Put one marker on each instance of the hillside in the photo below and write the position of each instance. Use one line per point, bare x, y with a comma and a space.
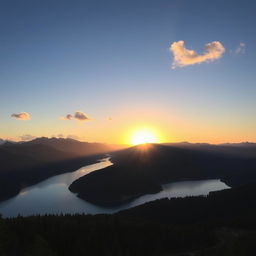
143, 169
31, 162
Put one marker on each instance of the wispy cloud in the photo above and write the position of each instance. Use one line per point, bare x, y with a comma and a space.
72, 136
67, 117
184, 57
79, 115
21, 116
27, 137
240, 49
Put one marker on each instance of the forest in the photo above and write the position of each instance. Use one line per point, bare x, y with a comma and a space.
222, 223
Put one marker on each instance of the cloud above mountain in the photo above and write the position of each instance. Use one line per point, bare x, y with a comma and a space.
27, 137
72, 136
79, 115
184, 57
21, 116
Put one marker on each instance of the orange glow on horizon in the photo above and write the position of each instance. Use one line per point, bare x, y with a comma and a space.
143, 136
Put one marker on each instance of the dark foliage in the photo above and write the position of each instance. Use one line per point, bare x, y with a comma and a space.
224, 223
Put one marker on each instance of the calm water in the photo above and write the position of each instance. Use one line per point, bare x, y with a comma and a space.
53, 196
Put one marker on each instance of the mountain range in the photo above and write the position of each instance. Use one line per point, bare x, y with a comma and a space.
27, 163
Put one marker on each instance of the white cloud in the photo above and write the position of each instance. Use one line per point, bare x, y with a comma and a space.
21, 116
184, 57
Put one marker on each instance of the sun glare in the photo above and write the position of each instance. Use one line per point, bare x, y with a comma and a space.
142, 136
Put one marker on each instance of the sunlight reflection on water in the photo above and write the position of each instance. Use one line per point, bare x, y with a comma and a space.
52, 196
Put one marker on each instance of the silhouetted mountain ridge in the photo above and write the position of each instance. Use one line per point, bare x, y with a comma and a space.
74, 146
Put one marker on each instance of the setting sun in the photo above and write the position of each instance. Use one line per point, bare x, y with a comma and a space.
142, 136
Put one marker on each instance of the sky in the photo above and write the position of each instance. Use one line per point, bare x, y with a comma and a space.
99, 70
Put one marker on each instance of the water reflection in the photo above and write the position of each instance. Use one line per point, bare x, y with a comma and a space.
183, 189
52, 195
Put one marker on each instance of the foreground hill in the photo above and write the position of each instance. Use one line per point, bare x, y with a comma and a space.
221, 224
143, 169
31, 162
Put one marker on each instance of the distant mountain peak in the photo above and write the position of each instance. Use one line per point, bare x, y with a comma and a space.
240, 144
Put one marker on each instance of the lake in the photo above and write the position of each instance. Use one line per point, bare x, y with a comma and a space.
52, 196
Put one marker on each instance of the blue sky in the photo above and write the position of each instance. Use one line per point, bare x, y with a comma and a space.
112, 59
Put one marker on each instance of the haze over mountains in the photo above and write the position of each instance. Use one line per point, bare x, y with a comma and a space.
74, 146
246, 149
26, 163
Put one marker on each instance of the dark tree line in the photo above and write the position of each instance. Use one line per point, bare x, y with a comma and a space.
224, 223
